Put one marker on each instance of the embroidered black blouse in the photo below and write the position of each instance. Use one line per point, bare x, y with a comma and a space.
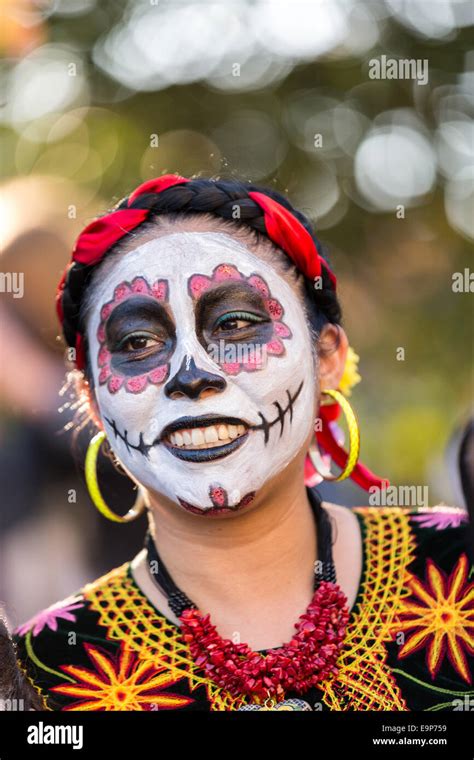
409, 643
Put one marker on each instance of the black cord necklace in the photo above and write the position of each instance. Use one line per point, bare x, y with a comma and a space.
324, 569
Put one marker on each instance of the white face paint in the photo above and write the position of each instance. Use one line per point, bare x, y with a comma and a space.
254, 372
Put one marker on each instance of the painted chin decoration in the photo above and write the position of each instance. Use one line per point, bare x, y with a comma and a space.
203, 369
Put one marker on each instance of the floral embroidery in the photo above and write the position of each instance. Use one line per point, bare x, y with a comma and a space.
199, 283
122, 683
159, 291
61, 610
440, 614
444, 517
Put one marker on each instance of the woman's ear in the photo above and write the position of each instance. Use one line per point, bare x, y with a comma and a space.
332, 349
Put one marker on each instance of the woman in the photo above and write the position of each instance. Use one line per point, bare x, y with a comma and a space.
205, 324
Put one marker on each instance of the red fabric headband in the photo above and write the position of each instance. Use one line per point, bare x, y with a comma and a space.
281, 226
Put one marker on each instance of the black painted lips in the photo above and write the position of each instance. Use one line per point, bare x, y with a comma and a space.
203, 455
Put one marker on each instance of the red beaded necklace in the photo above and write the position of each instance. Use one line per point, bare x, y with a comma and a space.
309, 658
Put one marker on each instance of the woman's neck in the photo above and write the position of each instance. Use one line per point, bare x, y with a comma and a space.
252, 572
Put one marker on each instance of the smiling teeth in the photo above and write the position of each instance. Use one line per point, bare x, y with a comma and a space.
205, 437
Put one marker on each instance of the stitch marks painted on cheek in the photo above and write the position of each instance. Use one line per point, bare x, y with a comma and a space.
110, 376
249, 361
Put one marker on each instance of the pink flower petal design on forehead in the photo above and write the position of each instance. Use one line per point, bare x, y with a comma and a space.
106, 310
121, 291
107, 375
198, 284
159, 290
259, 284
140, 285
226, 272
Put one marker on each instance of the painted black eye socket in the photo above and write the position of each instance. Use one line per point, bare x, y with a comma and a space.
140, 335
140, 342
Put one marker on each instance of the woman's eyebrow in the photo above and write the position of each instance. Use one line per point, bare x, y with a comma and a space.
138, 309
234, 289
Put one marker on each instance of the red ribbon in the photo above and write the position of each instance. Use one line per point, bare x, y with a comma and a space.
101, 234
361, 475
95, 240
289, 234
157, 185
281, 226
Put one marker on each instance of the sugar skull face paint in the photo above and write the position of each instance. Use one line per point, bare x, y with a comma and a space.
184, 420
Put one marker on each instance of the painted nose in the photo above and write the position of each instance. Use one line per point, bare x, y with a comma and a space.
193, 382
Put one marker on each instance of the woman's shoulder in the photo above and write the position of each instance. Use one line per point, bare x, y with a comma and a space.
431, 520
440, 532
426, 523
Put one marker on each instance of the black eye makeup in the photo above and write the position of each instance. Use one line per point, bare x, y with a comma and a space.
139, 335
232, 311
235, 320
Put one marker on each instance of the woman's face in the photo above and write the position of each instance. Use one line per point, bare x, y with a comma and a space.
203, 369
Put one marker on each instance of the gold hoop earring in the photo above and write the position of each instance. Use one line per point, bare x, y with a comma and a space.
94, 490
354, 440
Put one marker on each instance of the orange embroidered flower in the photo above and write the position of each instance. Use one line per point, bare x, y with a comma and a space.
122, 683
440, 613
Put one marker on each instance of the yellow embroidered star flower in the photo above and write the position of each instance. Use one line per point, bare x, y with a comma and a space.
350, 376
440, 613
126, 683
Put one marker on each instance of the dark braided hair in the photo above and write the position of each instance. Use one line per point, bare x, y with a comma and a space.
229, 201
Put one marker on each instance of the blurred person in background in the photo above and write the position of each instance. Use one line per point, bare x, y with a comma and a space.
42, 522
162, 299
